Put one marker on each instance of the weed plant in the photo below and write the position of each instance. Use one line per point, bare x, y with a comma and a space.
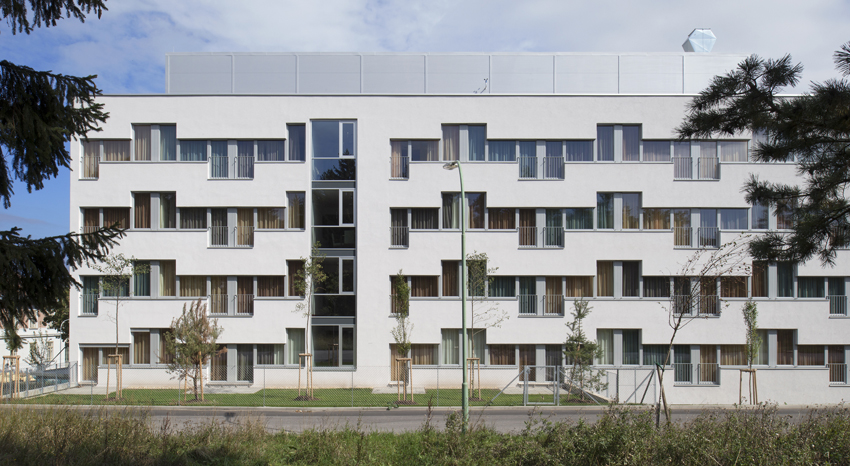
621, 436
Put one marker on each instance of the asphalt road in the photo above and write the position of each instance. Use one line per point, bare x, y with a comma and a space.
379, 419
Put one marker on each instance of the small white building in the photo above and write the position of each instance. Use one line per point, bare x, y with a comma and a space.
576, 188
47, 341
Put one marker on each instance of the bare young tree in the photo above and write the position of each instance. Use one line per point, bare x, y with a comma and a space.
484, 313
306, 280
750, 313
404, 327
695, 295
41, 351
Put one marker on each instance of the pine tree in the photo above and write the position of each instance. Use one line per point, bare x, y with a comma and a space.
40, 112
191, 343
579, 353
813, 128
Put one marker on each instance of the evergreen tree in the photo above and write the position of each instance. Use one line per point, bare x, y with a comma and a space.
579, 353
40, 112
191, 343
813, 128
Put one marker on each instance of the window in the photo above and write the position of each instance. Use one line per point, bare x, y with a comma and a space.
451, 142
604, 210
295, 204
293, 268
656, 287
116, 151
297, 140
423, 287
501, 219
142, 210
333, 346
142, 278
118, 216
334, 149
682, 227
785, 216
733, 287
732, 151
193, 286
554, 231
631, 211
760, 217
193, 218
333, 208
477, 207
527, 227
501, 151
605, 144
656, 151
424, 219
631, 347
168, 210
167, 142
631, 143
193, 151
785, 279
759, 279
141, 348
733, 219
115, 286
244, 227
631, 278
167, 278
270, 355
784, 347
294, 344
578, 287
451, 210
578, 218
163, 356
424, 151
655, 354
272, 150
656, 219
604, 278
502, 355
502, 287
810, 355
270, 218
605, 340
451, 278
477, 136
450, 346
733, 355
810, 287
142, 142
579, 151
423, 355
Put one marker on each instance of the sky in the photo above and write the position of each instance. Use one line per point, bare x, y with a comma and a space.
126, 47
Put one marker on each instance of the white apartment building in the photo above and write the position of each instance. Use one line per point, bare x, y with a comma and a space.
576, 188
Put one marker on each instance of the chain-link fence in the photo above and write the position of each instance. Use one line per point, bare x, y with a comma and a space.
35, 381
290, 386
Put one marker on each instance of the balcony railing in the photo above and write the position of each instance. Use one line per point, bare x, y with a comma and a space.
399, 168
682, 237
553, 168
838, 305
88, 304
706, 373
683, 373
527, 304
709, 373
527, 237
709, 168
709, 237
696, 306
244, 167
553, 237
682, 168
91, 167
244, 236
244, 304
218, 237
528, 168
536, 168
218, 304
837, 373
399, 237
553, 304
218, 167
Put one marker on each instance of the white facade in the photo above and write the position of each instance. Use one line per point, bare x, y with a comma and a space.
551, 235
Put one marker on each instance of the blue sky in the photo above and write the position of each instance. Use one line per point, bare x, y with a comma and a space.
126, 48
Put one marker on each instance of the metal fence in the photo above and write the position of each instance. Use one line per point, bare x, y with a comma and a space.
37, 381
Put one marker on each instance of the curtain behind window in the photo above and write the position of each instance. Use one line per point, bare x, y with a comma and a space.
423, 287
168, 210
451, 210
733, 219
451, 279
631, 347
760, 214
759, 279
424, 151
501, 151
733, 287
193, 151
168, 142
605, 340
270, 286
193, 218
271, 151
579, 151
451, 346
142, 279
296, 142
502, 355
605, 143
656, 219
398, 152
656, 151
477, 207
294, 344
424, 219
579, 287
296, 209
477, 136
167, 278
631, 211
193, 286
656, 287
142, 210
501, 219
579, 219
631, 143
732, 151
604, 210
785, 279
810, 287
142, 142
116, 151
631, 278
810, 355
655, 354
451, 142
141, 348
423, 355
785, 347
605, 278
117, 215
502, 287
733, 355
270, 218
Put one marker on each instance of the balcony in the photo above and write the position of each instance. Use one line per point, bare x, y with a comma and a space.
708, 168
705, 374
218, 167
553, 237
527, 304
244, 236
244, 165
217, 304
91, 167
682, 237
88, 304
709, 237
219, 237
399, 237
399, 168
527, 237
547, 305
240, 167
838, 305
696, 306
244, 304
545, 168
837, 373
682, 168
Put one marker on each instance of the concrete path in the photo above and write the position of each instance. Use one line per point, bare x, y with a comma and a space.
502, 419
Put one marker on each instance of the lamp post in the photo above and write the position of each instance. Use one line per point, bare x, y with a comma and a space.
464, 337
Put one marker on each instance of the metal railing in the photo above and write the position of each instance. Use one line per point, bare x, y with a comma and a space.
682, 237
89, 229
218, 237
244, 165
683, 373
527, 168
553, 168
837, 373
88, 304
244, 304
709, 168
244, 236
709, 373
399, 237
399, 168
694, 306
682, 168
218, 167
709, 237
527, 304
553, 304
217, 304
91, 167
553, 237
527, 237
837, 305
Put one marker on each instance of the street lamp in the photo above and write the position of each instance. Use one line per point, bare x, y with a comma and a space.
464, 338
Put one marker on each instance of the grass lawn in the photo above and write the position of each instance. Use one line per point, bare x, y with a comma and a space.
339, 397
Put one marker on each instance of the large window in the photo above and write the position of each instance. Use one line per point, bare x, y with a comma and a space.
193, 218
168, 210
334, 150
733, 219
295, 204
605, 143
193, 151
605, 278
333, 217
604, 210
451, 142
785, 279
656, 287
477, 138
297, 151
656, 151
810, 287
578, 219
270, 354
631, 211
501, 151
759, 279
503, 287
579, 151
333, 346
631, 278
424, 287
656, 219
424, 219
760, 217
501, 219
